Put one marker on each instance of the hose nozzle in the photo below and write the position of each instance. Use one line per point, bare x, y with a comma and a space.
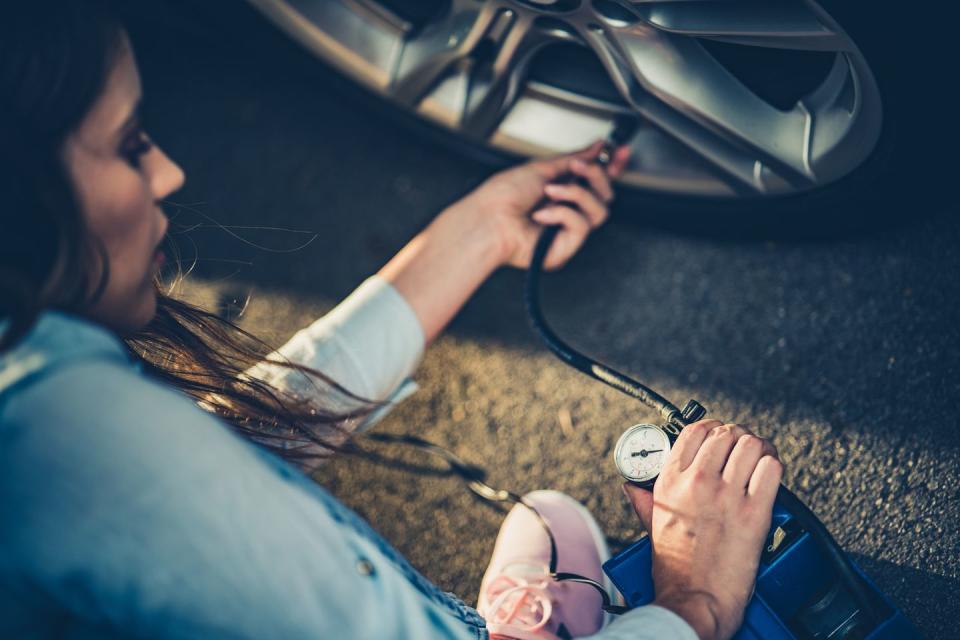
624, 128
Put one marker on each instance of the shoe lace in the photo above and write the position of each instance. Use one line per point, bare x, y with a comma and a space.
520, 599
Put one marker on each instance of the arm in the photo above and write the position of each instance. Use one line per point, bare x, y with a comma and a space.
493, 226
372, 342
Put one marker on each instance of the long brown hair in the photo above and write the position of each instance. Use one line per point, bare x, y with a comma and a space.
55, 56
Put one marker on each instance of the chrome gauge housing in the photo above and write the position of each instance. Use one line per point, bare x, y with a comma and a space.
641, 453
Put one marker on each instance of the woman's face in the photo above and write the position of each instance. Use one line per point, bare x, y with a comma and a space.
120, 176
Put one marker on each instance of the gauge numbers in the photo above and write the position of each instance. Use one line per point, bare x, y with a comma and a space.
641, 452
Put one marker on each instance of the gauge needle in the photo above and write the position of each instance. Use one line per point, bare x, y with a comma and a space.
644, 453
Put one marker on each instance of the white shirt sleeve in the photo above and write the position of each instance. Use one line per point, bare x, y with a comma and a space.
369, 344
647, 623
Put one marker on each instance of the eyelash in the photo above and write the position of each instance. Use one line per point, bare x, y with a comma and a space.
138, 145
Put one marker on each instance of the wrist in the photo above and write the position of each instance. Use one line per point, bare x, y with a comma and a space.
442, 266
476, 232
698, 609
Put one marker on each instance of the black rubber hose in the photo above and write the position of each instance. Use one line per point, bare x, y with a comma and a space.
603, 373
808, 520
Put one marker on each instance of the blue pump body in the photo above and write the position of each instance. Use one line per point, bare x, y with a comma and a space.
788, 581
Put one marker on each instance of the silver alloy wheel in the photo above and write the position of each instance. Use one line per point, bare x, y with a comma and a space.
703, 131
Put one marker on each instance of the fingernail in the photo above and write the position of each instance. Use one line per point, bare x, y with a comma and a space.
553, 188
579, 164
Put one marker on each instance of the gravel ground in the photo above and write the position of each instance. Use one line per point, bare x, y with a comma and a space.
843, 352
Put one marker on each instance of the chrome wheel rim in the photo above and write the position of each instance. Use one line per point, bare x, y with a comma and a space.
703, 132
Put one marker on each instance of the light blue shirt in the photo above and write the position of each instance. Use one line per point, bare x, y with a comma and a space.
128, 511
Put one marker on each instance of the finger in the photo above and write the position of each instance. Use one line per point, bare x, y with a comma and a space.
642, 501
595, 176
553, 167
586, 200
771, 449
688, 442
571, 237
619, 161
765, 481
717, 446
744, 458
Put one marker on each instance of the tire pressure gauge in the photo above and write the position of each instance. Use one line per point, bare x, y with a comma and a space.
642, 452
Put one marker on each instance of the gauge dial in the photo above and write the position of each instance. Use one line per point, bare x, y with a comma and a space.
641, 452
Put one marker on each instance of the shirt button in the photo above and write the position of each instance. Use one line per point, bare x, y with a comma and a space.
365, 567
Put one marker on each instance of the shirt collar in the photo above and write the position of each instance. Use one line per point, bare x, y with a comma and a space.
56, 337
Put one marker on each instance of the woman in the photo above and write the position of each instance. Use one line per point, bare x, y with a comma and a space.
129, 505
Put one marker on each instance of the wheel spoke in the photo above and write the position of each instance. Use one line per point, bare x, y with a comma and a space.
492, 43
495, 85
428, 57
675, 83
376, 12
752, 23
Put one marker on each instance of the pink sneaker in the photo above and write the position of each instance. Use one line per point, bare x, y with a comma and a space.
518, 598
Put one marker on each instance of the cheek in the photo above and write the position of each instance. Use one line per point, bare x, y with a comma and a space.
121, 215
128, 231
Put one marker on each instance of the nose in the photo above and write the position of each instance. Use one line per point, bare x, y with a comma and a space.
166, 176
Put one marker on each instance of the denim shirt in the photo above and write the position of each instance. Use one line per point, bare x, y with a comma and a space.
127, 511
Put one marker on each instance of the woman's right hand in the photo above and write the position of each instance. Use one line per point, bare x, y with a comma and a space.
708, 517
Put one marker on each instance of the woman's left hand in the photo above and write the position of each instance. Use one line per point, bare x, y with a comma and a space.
506, 205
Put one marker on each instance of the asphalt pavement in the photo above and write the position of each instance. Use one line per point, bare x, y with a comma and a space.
843, 352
